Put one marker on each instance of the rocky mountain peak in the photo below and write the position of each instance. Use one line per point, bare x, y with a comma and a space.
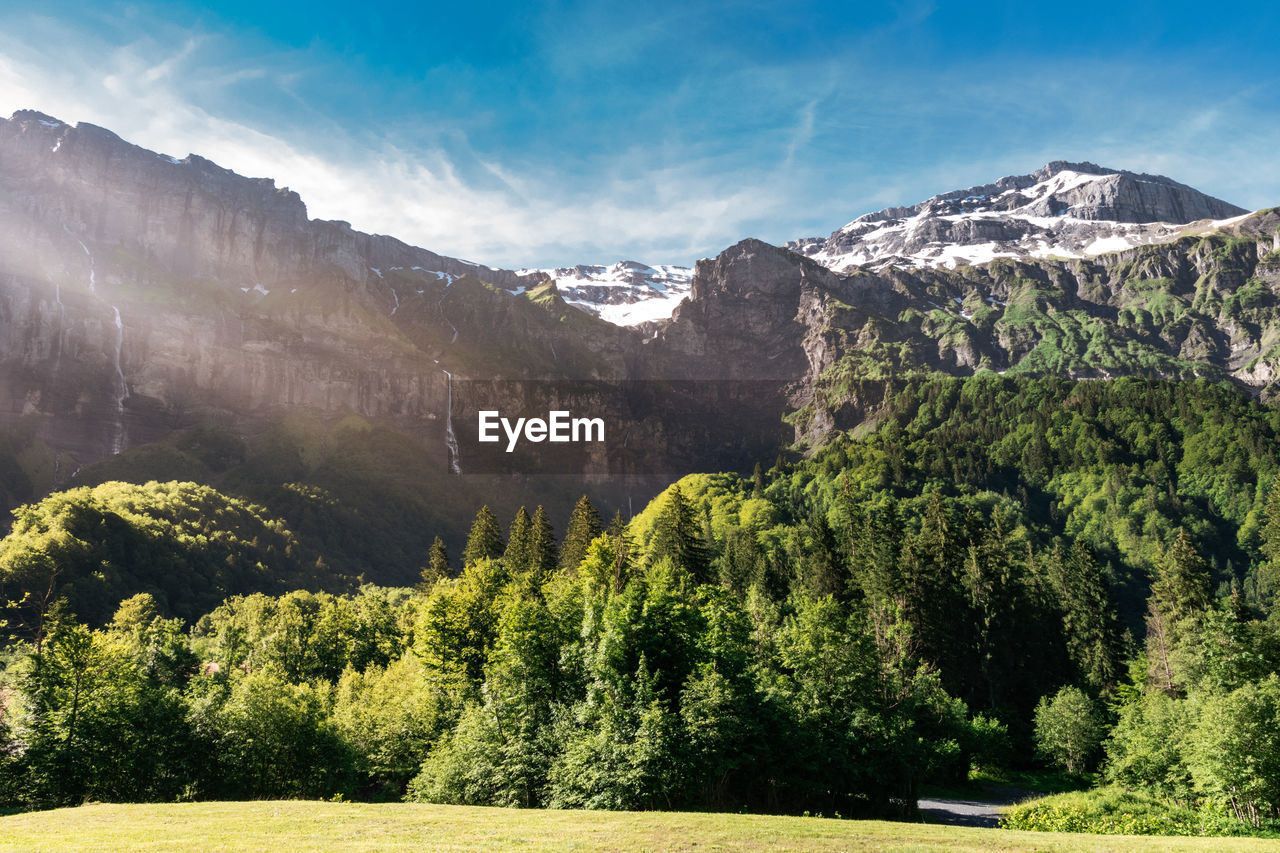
1063, 209
23, 117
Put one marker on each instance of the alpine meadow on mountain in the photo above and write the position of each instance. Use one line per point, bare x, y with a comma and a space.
968, 513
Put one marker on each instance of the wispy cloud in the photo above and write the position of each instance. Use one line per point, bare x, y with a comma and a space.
778, 146
521, 217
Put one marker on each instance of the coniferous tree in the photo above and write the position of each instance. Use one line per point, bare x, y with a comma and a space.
584, 526
1182, 585
678, 537
741, 564
485, 540
623, 551
437, 563
709, 547
542, 545
821, 568
933, 564
1179, 596
992, 595
1088, 614
519, 543
1268, 583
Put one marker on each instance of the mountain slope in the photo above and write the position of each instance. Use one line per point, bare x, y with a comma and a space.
141, 297
1062, 210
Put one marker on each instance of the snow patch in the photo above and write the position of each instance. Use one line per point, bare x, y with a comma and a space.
626, 293
1102, 245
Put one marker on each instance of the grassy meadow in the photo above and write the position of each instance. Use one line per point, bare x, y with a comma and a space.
297, 826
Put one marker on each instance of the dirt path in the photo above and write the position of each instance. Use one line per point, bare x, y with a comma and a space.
984, 812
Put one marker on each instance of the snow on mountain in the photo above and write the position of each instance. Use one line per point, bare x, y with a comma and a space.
1063, 210
626, 293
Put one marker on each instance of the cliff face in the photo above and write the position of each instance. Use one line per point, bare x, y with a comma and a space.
140, 295
1204, 305
229, 299
191, 217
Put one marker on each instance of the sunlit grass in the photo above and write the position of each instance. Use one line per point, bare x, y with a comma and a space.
304, 826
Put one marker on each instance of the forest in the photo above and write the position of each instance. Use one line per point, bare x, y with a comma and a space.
1000, 573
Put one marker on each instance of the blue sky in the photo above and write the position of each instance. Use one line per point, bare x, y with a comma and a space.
545, 134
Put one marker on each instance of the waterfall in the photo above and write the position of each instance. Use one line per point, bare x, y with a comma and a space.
451, 440
121, 391
62, 314
396, 297
91, 271
445, 317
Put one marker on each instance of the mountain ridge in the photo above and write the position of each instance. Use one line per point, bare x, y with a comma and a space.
141, 297
1062, 209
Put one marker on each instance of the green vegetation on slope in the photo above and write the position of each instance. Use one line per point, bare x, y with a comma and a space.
940, 593
187, 545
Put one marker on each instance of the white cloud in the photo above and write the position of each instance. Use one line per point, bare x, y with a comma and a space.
520, 219
793, 148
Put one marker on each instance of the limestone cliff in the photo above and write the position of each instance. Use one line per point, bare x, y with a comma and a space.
141, 295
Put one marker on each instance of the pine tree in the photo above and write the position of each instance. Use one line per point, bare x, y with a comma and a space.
437, 563
1268, 582
708, 535
584, 526
678, 537
485, 539
757, 482
1182, 585
1236, 605
1179, 595
936, 604
740, 565
542, 545
821, 568
1088, 615
1270, 532
519, 545
623, 548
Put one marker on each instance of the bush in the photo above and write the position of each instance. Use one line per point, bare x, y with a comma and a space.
1067, 728
1116, 811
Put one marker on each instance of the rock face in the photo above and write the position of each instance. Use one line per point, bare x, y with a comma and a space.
190, 216
138, 292
1206, 304
1063, 210
140, 295
745, 319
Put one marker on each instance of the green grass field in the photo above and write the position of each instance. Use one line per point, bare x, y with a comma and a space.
292, 827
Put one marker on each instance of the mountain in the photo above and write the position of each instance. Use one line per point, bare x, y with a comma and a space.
627, 293
1064, 210
1202, 306
146, 299
168, 319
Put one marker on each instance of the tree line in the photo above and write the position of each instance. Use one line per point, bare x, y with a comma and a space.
1083, 571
